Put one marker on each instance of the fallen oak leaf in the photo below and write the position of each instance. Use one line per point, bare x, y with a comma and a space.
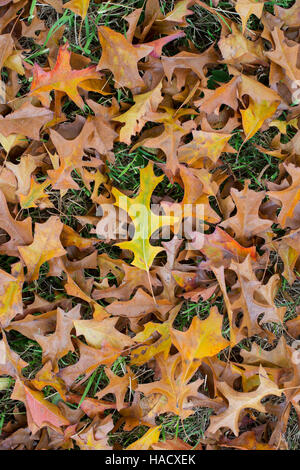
99, 334
71, 153
290, 16
246, 441
204, 144
136, 117
46, 377
158, 44
35, 194
40, 412
69, 237
202, 339
61, 78
90, 358
253, 299
175, 444
133, 278
285, 55
247, 222
23, 171
43, 323
173, 387
156, 338
6, 45
27, 120
10, 362
121, 58
20, 232
227, 94
13, 140
91, 406
145, 221
73, 289
167, 137
246, 8
58, 344
79, 7
138, 307
263, 102
220, 248
95, 437
237, 50
46, 245
177, 15
289, 197
118, 386
147, 440
238, 401
11, 303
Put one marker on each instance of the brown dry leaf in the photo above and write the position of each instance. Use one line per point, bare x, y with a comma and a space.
27, 120
90, 359
254, 299
238, 401
58, 344
10, 363
174, 444
290, 16
246, 8
45, 246
43, 323
173, 387
23, 171
121, 58
70, 153
289, 196
220, 248
246, 441
237, 50
95, 437
133, 278
102, 334
139, 306
119, 386
284, 55
20, 232
247, 223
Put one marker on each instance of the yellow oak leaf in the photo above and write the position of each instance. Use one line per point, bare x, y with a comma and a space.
145, 221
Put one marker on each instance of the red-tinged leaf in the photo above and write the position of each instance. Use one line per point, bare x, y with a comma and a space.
61, 78
220, 248
40, 411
